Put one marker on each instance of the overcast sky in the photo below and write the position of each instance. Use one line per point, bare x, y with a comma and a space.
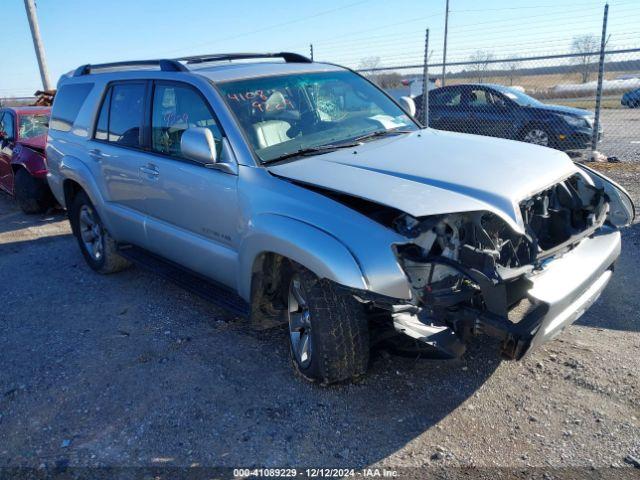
76, 32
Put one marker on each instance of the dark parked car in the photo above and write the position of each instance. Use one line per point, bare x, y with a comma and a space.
499, 111
631, 99
23, 170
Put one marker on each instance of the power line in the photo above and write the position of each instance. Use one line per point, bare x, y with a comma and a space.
271, 27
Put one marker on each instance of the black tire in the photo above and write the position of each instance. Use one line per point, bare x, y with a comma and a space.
339, 330
32, 194
109, 261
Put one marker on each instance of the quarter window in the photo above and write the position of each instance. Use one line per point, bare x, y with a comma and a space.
67, 104
175, 109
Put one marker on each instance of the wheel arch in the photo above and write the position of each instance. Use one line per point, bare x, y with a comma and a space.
30, 160
294, 240
74, 177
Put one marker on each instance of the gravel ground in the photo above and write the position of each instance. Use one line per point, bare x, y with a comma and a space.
129, 370
621, 133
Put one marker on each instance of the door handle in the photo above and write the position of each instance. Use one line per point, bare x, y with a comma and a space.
151, 171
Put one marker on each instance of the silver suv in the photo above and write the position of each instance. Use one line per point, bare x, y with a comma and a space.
299, 193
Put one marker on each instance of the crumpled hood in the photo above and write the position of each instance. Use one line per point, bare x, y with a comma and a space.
37, 143
434, 172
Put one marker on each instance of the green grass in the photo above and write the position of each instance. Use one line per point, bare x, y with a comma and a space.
586, 103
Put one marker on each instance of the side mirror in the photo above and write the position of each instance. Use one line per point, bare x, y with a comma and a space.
409, 105
198, 144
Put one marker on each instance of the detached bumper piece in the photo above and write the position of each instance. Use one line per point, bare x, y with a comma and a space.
556, 297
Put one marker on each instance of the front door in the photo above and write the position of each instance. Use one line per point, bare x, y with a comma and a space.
192, 210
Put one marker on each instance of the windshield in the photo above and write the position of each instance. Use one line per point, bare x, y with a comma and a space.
520, 98
33, 126
288, 113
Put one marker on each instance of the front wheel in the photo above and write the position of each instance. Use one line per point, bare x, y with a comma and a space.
97, 246
537, 136
328, 329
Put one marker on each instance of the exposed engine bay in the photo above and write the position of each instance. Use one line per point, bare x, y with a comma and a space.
474, 263
470, 273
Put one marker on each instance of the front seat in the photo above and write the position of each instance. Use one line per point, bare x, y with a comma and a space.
272, 132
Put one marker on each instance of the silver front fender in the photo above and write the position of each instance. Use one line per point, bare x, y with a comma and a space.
305, 244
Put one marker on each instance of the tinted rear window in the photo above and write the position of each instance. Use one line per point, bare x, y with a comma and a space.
67, 104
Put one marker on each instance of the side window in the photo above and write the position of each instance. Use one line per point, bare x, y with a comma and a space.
6, 126
478, 98
176, 108
496, 99
67, 104
126, 109
445, 98
102, 127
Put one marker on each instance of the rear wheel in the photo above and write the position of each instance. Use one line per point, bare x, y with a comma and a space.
328, 329
97, 246
32, 194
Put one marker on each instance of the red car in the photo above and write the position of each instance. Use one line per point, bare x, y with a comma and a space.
23, 169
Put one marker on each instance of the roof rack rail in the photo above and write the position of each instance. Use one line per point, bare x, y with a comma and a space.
288, 57
165, 66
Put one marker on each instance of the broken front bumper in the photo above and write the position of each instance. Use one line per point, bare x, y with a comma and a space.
557, 295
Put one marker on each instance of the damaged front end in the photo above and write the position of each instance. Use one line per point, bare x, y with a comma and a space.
471, 274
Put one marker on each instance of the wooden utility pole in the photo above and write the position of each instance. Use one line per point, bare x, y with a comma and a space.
30, 7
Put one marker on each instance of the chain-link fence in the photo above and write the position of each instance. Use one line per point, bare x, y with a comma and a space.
583, 98
548, 100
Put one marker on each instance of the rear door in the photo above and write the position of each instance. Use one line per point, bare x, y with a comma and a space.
116, 150
191, 210
7, 126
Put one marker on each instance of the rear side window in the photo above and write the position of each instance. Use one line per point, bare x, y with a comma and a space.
67, 104
121, 114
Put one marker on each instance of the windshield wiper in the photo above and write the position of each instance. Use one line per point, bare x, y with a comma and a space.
382, 133
304, 152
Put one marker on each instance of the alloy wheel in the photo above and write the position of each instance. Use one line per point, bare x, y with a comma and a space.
90, 232
537, 137
299, 323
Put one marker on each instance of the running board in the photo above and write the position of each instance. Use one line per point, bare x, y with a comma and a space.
202, 286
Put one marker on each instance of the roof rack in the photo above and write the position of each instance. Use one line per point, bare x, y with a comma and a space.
165, 66
174, 65
288, 57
